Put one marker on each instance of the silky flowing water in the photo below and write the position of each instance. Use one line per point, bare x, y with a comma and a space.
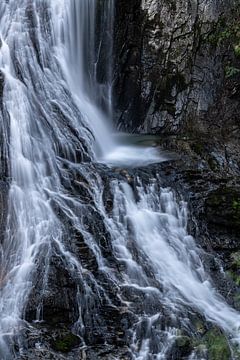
55, 116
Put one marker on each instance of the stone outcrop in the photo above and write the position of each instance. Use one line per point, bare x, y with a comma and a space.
176, 61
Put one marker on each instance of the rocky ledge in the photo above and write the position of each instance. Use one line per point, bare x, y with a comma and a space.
214, 208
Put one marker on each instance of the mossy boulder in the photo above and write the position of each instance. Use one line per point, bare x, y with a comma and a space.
217, 345
223, 207
182, 347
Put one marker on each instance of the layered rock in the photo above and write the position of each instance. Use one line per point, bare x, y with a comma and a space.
172, 58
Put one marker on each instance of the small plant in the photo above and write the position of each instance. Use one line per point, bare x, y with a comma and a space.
234, 269
65, 342
236, 204
237, 50
231, 71
217, 345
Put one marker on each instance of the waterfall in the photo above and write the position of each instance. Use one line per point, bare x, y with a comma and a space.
136, 258
46, 120
78, 50
158, 227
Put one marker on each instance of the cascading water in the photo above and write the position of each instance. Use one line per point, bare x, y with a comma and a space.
158, 227
138, 258
46, 127
78, 50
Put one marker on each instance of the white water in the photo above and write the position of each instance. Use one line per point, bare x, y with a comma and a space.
51, 98
123, 155
157, 226
39, 116
75, 38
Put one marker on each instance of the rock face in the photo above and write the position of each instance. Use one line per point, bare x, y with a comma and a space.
222, 208
172, 58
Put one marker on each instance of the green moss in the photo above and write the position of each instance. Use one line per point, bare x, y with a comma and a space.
236, 204
237, 50
184, 346
225, 31
235, 277
66, 342
217, 345
234, 271
201, 149
215, 200
235, 257
225, 205
236, 210
200, 327
236, 299
214, 343
183, 341
231, 71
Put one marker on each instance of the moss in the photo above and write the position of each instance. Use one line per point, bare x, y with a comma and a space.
236, 210
237, 50
220, 32
66, 342
235, 277
236, 205
223, 194
200, 327
217, 345
234, 268
236, 300
184, 346
228, 34
231, 71
183, 341
235, 257
225, 31
214, 343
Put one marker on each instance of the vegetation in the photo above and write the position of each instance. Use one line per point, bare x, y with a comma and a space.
217, 345
234, 271
231, 71
228, 31
66, 342
223, 206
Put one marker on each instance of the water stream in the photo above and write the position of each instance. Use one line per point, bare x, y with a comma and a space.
158, 226
55, 122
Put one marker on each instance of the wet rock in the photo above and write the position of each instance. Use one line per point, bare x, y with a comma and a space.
4, 187
183, 347
223, 208
1, 86
65, 342
55, 299
169, 70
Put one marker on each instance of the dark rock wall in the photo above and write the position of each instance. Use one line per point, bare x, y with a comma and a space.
172, 58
